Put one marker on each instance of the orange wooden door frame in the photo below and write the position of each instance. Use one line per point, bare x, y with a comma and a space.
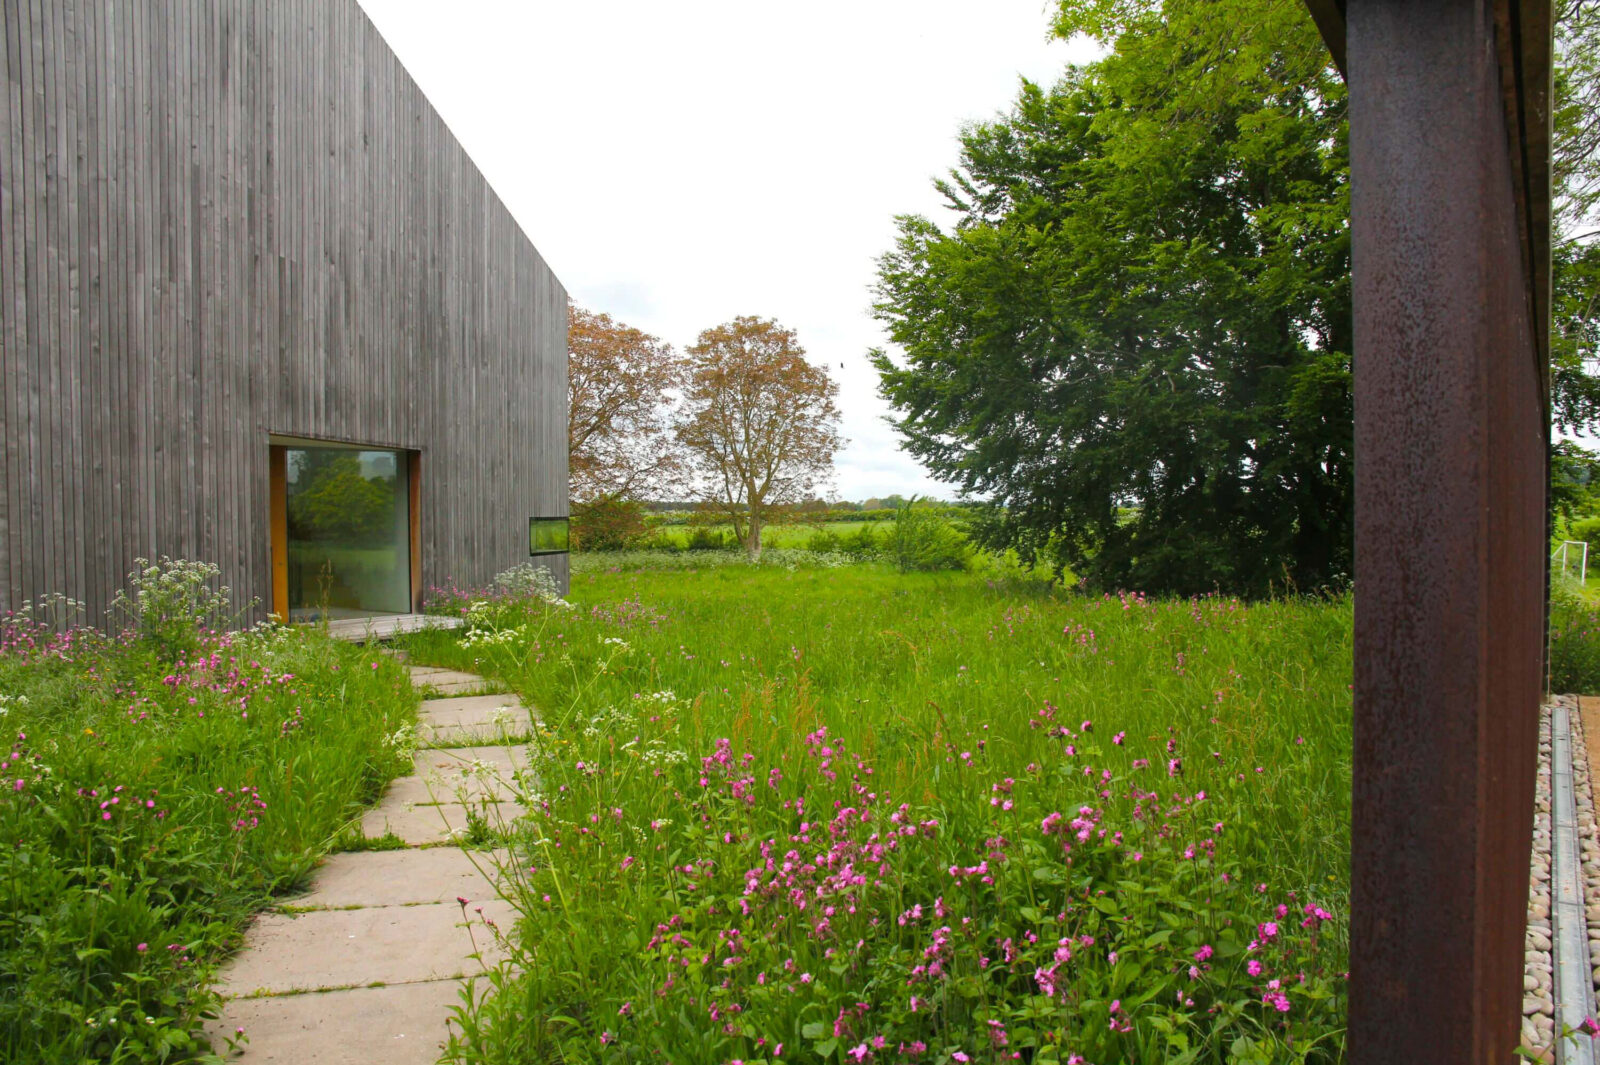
414, 500
278, 534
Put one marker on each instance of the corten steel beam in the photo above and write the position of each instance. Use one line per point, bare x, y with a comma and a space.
1450, 447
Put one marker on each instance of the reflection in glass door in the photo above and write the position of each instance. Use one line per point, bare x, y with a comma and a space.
347, 514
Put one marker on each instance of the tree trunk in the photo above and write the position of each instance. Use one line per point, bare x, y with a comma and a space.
752, 542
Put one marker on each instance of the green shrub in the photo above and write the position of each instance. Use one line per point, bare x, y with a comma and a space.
924, 539
1587, 529
824, 541
705, 538
608, 524
1574, 641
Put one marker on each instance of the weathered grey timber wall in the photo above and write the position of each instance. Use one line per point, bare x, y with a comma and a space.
224, 219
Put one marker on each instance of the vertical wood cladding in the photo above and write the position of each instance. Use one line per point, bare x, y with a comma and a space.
222, 220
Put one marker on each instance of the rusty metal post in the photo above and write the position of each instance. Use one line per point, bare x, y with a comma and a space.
1450, 444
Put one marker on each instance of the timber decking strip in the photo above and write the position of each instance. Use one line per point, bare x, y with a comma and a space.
387, 626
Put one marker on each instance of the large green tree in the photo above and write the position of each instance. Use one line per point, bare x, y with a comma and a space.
1575, 257
1135, 337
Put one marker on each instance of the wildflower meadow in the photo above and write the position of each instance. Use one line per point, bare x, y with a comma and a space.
159, 787
840, 813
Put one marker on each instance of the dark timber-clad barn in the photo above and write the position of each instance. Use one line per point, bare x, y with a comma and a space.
259, 308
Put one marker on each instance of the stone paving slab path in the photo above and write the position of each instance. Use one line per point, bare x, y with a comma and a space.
447, 681
473, 719
365, 967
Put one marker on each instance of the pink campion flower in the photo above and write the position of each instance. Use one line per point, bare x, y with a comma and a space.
805, 978
1116, 1005
859, 1052
1254, 967
142, 947
1174, 767
1590, 1027
625, 1010
1268, 929
1046, 979
606, 1038
959, 1056
1111, 958
1203, 953
1117, 739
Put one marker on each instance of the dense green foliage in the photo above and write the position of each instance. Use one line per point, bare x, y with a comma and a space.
150, 804
1144, 303
1574, 640
844, 814
609, 523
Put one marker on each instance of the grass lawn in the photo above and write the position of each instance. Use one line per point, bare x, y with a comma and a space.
155, 795
850, 815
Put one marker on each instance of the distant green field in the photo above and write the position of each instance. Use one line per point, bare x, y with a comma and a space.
795, 536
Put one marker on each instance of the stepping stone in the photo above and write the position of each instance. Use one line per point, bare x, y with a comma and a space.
458, 774
328, 949
448, 681
419, 826
399, 1024
400, 878
449, 689
473, 718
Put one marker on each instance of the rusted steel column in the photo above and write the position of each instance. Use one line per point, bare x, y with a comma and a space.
1449, 464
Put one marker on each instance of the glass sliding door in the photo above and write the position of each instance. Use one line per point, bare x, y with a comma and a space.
347, 532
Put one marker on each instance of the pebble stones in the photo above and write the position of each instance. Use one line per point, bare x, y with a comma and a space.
1538, 978
1538, 983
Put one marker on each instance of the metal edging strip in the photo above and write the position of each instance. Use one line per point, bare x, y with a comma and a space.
1574, 992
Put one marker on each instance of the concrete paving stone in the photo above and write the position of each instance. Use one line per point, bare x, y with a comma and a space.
399, 1024
422, 825
445, 677
328, 949
400, 878
459, 774
450, 689
480, 718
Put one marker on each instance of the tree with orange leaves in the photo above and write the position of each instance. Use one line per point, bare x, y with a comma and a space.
620, 385
760, 423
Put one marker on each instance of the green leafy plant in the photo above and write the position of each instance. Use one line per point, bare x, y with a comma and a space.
172, 603
924, 538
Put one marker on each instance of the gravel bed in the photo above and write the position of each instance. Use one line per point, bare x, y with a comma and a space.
1538, 976
1538, 1003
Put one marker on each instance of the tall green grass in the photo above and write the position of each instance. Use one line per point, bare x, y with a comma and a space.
150, 803
847, 814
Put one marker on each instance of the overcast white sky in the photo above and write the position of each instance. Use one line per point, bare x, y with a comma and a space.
679, 164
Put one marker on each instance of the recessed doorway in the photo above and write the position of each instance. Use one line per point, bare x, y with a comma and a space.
344, 531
